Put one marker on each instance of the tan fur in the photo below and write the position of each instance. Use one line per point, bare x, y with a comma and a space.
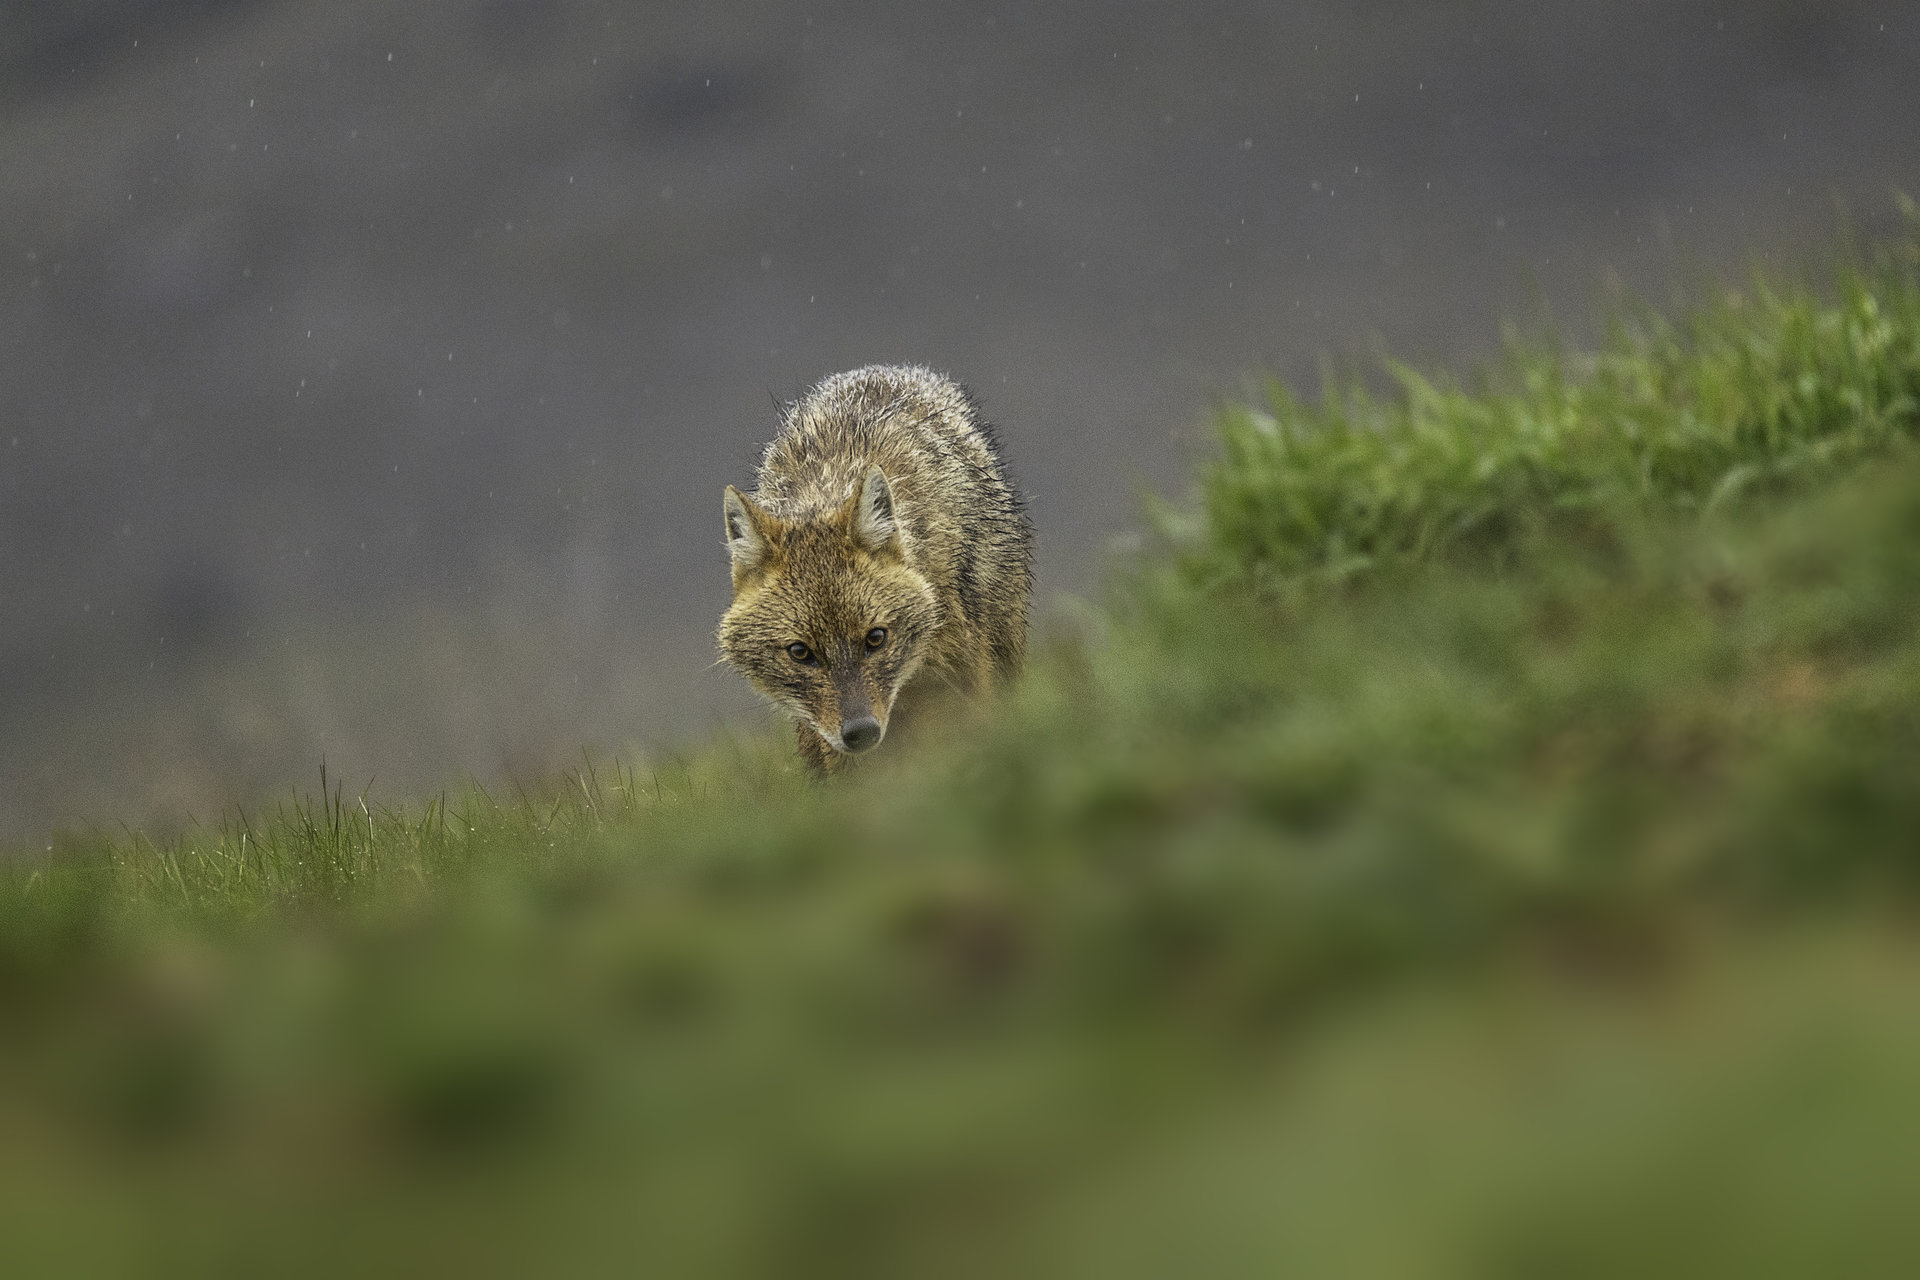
882, 502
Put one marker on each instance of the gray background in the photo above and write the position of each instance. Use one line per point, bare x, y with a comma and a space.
369, 371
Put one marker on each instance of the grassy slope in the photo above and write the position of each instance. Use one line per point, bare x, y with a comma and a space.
1492, 816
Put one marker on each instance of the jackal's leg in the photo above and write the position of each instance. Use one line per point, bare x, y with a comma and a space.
817, 755
935, 707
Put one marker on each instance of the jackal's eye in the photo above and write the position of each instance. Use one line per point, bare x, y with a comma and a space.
876, 637
799, 652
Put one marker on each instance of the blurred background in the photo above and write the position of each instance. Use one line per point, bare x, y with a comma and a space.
370, 371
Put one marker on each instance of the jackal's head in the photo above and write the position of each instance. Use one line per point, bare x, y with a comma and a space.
829, 617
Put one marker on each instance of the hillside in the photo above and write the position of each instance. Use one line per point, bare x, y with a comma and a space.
1477, 839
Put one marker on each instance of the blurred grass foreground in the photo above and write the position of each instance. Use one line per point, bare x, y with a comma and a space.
1483, 839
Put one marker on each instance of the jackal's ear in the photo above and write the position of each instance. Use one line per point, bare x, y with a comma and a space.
749, 531
871, 522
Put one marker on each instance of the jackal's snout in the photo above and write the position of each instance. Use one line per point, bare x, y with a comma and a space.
861, 734
860, 728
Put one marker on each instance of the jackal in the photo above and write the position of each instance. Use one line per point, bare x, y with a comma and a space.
883, 544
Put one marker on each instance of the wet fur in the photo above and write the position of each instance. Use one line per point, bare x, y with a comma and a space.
881, 502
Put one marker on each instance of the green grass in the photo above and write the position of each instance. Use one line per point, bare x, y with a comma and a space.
1483, 843
1762, 386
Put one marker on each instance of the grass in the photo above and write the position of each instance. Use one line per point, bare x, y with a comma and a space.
1759, 387
1482, 843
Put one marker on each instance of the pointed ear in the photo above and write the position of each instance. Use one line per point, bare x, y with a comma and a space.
871, 522
749, 534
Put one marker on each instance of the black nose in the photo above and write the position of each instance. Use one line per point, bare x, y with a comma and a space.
859, 735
